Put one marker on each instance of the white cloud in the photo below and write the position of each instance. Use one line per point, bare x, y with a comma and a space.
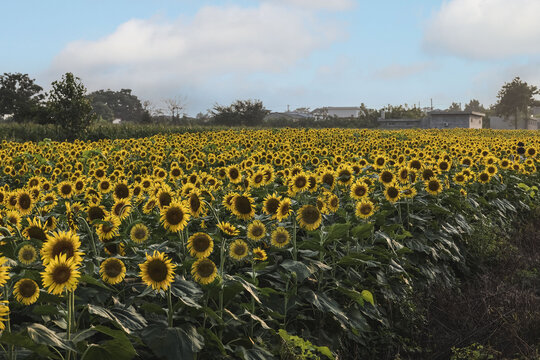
483, 29
334, 5
156, 57
401, 71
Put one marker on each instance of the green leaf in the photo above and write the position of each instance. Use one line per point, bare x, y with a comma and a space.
43, 335
24, 341
301, 270
187, 292
128, 319
368, 296
45, 310
173, 343
337, 231
90, 280
362, 231
118, 348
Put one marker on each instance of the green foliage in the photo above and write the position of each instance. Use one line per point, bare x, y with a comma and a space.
110, 105
240, 113
474, 352
404, 112
20, 97
68, 107
298, 348
515, 97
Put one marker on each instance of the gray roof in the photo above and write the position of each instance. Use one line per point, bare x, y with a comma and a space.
442, 112
399, 120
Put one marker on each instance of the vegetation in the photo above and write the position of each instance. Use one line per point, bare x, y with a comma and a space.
250, 244
515, 98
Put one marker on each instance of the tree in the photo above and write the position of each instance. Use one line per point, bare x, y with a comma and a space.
175, 106
20, 96
474, 105
454, 107
69, 107
399, 112
240, 113
123, 105
515, 98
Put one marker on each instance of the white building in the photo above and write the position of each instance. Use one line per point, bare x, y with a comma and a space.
337, 111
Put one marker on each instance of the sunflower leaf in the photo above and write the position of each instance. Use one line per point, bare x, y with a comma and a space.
24, 341
173, 343
40, 334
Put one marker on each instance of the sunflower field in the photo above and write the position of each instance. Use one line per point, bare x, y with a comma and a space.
248, 244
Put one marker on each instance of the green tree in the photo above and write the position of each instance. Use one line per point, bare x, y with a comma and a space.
110, 105
399, 112
474, 105
68, 106
240, 113
20, 96
454, 107
515, 98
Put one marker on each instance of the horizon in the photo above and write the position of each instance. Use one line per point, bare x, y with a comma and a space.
295, 53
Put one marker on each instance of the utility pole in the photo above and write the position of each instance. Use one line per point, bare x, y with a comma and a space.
431, 104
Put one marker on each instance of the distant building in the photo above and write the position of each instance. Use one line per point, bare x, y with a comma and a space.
455, 119
436, 120
288, 115
497, 122
337, 111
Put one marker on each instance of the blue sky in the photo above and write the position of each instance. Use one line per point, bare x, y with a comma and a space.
301, 53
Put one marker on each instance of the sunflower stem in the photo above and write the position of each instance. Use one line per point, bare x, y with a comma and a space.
90, 232
11, 352
221, 289
295, 250
69, 310
170, 312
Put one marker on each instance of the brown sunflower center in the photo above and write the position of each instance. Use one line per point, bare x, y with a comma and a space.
392, 192
25, 201
96, 213
484, 177
28, 254
233, 173
201, 243
27, 288
360, 190
104, 185
328, 179
157, 270
175, 172
36, 232
242, 204
427, 174
310, 214
194, 203
205, 268
443, 166
61, 274
139, 233
365, 209
113, 268
165, 199
174, 215
272, 205
282, 237
63, 246
258, 178
415, 164
300, 182
240, 249
65, 189
257, 231
434, 185
121, 191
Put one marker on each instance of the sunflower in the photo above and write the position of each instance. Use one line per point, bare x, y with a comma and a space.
26, 291
403, 175
332, 203
50, 223
256, 230
4, 271
359, 190
280, 237
228, 228
164, 198
95, 212
108, 228
25, 202
392, 193
27, 254
259, 254
433, 186
35, 230
271, 205
234, 174
121, 190
157, 271
379, 162
309, 217
150, 205
200, 245
60, 274
345, 174
408, 192
364, 208
174, 217
65, 189
61, 242
460, 178
238, 249
257, 179
299, 182
204, 271
328, 178
386, 177
484, 177
195, 205
242, 206
139, 233
104, 186
112, 271
121, 209
284, 209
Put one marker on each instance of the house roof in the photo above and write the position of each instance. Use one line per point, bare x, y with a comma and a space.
399, 120
442, 112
